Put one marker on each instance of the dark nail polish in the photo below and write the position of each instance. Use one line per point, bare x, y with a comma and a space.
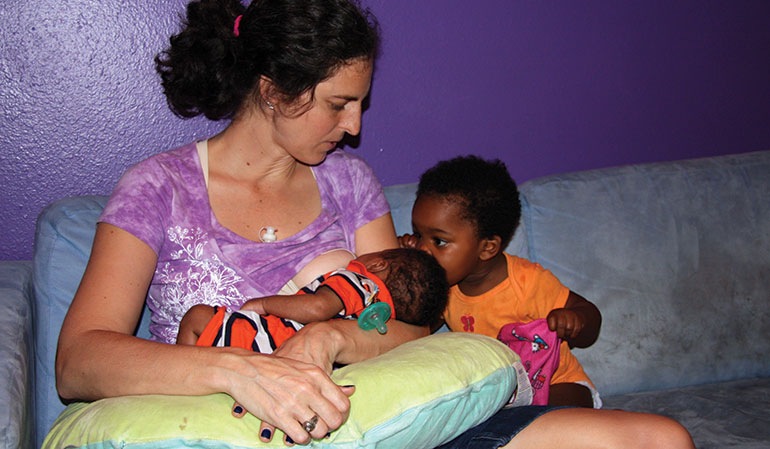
266, 434
328, 434
347, 386
289, 440
238, 410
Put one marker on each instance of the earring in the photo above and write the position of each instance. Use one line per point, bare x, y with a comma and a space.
270, 105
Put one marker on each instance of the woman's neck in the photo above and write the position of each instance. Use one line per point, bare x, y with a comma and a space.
244, 151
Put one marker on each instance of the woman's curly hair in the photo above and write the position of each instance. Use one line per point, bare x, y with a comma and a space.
296, 44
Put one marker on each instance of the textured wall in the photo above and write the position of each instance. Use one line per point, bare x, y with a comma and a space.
546, 86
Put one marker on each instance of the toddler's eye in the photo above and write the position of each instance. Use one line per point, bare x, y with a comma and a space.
439, 242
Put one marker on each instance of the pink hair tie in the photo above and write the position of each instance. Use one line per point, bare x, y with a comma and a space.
237, 24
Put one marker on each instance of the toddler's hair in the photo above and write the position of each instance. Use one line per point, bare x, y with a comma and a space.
417, 284
483, 189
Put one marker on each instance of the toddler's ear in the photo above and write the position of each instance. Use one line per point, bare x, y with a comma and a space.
490, 247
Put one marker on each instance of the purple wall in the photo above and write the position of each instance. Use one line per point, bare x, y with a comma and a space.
546, 86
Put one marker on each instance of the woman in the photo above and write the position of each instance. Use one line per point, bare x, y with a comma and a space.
187, 223
256, 209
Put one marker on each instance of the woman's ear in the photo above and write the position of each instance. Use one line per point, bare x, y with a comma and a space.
490, 247
267, 92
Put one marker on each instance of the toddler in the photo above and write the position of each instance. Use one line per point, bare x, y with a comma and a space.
411, 282
465, 214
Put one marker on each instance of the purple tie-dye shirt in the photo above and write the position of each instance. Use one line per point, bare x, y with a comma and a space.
163, 201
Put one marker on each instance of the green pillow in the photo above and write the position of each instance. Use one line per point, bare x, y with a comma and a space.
421, 394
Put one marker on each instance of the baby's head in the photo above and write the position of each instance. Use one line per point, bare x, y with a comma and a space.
460, 203
416, 282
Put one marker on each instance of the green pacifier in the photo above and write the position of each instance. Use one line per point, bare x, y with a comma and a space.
374, 317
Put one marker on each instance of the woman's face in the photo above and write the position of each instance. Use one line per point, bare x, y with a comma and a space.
335, 110
438, 225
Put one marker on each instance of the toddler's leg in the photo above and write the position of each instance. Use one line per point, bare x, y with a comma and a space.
193, 323
570, 394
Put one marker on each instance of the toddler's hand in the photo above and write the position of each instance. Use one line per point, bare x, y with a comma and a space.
566, 323
407, 241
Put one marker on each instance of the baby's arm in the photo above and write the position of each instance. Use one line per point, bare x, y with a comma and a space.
322, 305
578, 322
193, 323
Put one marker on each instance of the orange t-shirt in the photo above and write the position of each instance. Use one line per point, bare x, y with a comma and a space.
529, 292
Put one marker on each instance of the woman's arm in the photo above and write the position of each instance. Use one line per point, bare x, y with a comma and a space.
377, 235
98, 357
342, 341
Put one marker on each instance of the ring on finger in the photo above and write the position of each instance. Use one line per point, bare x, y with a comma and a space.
310, 424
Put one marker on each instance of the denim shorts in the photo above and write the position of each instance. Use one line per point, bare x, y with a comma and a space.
498, 430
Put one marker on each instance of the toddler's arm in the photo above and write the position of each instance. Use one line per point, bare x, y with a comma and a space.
322, 305
578, 323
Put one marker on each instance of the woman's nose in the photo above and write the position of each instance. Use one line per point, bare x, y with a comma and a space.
351, 121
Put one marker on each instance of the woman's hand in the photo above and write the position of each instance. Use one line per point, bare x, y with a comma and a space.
314, 352
321, 344
318, 344
286, 393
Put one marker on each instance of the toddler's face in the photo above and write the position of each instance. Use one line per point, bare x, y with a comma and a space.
440, 230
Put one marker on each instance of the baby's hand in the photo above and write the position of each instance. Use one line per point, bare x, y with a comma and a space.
566, 323
254, 305
407, 241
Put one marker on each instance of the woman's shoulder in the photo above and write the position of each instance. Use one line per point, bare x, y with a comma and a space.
180, 157
179, 165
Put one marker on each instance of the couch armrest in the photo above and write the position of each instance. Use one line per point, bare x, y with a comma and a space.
16, 355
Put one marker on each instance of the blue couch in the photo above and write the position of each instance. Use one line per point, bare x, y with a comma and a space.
675, 254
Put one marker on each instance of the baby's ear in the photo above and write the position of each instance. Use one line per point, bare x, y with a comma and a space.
490, 247
377, 264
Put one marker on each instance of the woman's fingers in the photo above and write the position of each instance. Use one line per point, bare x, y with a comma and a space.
266, 432
287, 394
238, 410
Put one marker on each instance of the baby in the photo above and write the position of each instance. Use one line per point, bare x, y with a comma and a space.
410, 281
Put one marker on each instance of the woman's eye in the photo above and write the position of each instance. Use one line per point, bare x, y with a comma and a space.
337, 107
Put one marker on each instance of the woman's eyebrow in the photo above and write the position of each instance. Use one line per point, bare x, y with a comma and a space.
345, 97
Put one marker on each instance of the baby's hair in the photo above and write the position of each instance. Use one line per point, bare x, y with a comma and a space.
210, 69
484, 190
417, 284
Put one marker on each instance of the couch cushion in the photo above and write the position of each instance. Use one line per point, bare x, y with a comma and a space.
63, 238
718, 415
677, 257
16, 360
